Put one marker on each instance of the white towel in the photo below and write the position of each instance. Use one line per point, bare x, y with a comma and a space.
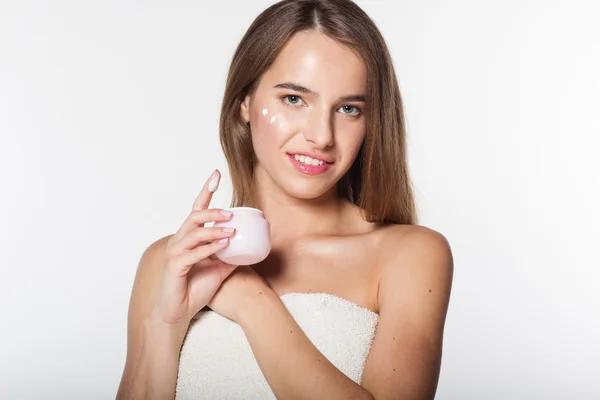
217, 362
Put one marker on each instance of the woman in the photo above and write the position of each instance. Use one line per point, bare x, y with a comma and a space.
313, 130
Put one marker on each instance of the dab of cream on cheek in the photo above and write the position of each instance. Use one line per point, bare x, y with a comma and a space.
273, 119
281, 122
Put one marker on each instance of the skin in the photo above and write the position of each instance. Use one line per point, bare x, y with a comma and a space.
404, 273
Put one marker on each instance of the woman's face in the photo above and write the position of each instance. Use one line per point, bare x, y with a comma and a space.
307, 116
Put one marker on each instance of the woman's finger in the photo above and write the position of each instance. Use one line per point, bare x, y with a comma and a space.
210, 186
202, 236
182, 263
198, 218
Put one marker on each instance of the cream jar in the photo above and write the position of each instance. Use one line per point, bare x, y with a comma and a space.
251, 242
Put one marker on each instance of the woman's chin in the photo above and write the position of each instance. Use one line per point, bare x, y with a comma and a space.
306, 190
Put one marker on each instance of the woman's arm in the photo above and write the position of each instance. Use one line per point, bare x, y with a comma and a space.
405, 357
414, 291
291, 364
175, 279
153, 348
155, 372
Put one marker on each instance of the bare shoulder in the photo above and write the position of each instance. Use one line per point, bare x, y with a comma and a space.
151, 260
414, 246
147, 277
417, 257
397, 232
143, 294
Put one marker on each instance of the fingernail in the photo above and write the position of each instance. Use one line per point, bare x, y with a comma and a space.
226, 213
223, 240
228, 230
214, 183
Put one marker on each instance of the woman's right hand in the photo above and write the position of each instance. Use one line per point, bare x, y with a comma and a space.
190, 277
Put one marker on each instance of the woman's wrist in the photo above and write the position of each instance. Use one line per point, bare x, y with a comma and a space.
156, 329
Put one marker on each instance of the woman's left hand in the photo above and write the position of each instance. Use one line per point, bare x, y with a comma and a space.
236, 293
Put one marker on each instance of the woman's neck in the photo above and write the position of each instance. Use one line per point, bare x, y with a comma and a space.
291, 218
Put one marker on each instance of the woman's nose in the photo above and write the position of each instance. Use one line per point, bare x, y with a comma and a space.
319, 130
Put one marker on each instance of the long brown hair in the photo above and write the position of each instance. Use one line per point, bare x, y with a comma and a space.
378, 181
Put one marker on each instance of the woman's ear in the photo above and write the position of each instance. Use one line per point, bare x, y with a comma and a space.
245, 110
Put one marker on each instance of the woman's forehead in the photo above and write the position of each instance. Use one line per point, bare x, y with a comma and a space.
322, 64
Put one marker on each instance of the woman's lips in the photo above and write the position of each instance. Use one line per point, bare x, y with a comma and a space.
308, 169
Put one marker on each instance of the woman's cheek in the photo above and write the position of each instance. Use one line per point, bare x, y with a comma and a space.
270, 125
352, 140
266, 133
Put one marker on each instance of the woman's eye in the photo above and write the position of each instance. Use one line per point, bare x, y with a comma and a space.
350, 110
292, 100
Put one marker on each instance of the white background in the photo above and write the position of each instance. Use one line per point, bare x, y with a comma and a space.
108, 128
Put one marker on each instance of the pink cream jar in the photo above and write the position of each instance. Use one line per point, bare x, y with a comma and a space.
251, 242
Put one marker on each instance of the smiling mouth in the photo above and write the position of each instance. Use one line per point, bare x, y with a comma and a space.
307, 160
309, 165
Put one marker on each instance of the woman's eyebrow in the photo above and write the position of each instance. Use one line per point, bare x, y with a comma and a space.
354, 97
302, 89
296, 87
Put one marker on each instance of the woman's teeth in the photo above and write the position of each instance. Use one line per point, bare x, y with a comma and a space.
308, 161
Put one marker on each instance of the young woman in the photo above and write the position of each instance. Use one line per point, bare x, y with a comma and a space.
313, 130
